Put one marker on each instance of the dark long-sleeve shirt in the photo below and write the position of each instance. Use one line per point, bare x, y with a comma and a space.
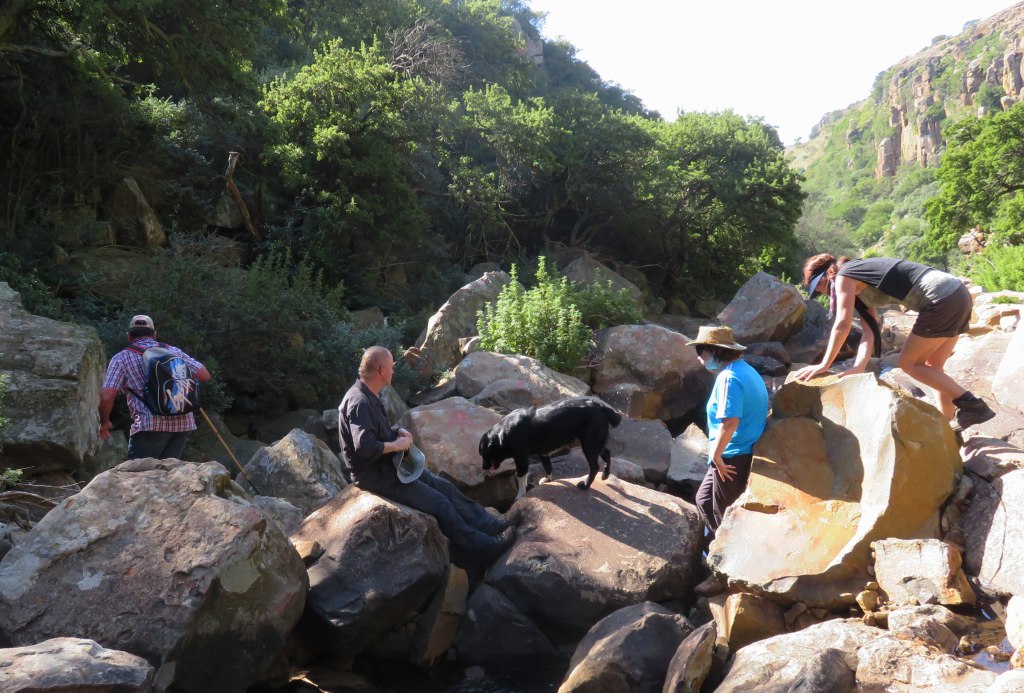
363, 429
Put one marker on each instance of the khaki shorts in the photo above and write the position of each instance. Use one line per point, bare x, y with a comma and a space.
948, 317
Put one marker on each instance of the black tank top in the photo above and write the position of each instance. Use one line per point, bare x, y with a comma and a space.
892, 277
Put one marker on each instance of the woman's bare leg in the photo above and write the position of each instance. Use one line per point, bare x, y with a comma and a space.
923, 359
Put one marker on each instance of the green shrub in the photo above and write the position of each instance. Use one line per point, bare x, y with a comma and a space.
999, 268
1009, 300
552, 321
273, 335
602, 306
543, 322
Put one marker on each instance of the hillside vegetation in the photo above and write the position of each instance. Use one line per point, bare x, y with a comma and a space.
931, 154
383, 149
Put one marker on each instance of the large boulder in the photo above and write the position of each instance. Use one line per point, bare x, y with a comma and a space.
648, 372
165, 560
765, 309
448, 433
479, 369
692, 661
822, 651
647, 443
920, 571
381, 561
689, 460
439, 349
995, 533
495, 633
896, 663
845, 462
299, 468
135, 222
72, 664
1010, 374
54, 372
627, 652
583, 554
585, 271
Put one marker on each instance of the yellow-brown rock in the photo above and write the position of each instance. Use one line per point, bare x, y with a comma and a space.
845, 461
750, 618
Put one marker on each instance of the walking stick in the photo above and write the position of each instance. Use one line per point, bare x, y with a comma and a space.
231, 454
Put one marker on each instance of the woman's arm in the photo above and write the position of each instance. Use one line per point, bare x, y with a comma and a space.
846, 292
865, 349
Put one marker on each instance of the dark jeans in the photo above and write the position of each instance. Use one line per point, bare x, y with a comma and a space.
715, 494
465, 522
159, 445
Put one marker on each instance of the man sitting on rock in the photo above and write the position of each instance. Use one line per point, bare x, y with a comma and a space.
369, 445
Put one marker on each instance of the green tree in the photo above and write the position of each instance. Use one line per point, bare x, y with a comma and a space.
541, 322
350, 131
727, 202
981, 179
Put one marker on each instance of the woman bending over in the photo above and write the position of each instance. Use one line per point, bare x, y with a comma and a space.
944, 309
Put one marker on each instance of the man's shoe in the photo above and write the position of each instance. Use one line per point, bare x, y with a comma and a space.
711, 586
500, 545
972, 413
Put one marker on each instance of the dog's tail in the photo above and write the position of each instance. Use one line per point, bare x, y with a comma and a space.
614, 417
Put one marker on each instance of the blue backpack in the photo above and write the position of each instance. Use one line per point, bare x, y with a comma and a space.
171, 387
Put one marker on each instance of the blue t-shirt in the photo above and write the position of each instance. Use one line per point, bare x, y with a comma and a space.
738, 392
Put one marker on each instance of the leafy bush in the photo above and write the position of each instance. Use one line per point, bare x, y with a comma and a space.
543, 322
273, 336
602, 306
552, 321
999, 268
1007, 300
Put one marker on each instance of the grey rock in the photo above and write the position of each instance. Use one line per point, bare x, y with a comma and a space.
72, 664
159, 558
381, 561
495, 633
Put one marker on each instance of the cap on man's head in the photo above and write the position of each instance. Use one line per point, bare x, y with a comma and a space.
141, 321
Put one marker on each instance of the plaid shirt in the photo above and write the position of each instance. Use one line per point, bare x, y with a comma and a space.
125, 373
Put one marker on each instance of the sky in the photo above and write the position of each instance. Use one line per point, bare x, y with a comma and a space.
788, 62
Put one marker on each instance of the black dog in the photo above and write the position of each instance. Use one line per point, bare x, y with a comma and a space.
539, 431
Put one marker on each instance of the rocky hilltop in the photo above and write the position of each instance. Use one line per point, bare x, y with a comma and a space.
958, 76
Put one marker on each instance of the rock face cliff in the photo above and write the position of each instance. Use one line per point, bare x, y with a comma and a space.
912, 102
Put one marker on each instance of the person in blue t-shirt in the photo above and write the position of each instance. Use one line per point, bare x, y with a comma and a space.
737, 410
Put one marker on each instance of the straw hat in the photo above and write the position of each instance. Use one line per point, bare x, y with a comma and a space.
409, 464
716, 335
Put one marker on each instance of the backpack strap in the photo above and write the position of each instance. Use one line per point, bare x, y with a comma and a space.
140, 351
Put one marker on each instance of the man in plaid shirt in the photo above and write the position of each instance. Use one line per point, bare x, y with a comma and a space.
160, 437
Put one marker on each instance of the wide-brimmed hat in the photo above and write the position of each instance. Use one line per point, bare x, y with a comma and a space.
716, 335
409, 464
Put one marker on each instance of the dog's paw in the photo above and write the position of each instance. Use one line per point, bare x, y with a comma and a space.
604, 476
582, 485
544, 480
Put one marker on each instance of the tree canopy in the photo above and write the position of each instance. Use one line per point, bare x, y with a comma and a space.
384, 148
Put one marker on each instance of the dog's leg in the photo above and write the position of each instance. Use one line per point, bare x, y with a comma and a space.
607, 455
522, 473
545, 462
522, 485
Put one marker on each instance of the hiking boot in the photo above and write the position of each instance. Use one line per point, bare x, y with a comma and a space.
500, 545
504, 523
972, 412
